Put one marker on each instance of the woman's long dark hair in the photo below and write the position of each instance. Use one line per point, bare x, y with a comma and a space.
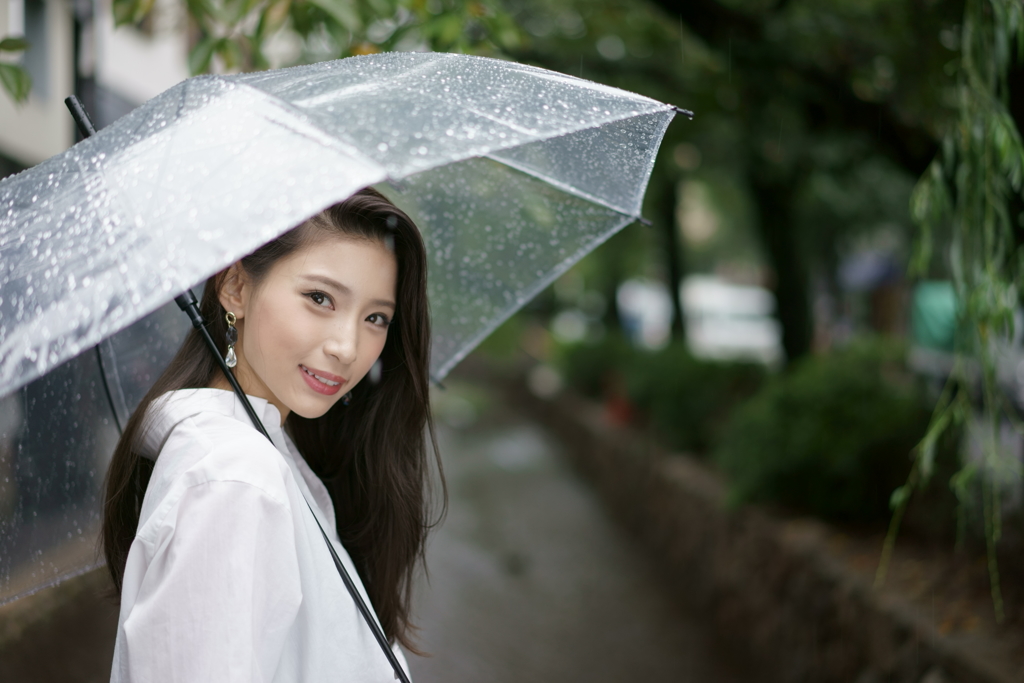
371, 454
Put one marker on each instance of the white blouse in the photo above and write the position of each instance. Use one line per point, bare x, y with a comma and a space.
228, 578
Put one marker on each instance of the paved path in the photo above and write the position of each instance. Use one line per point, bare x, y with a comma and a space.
530, 580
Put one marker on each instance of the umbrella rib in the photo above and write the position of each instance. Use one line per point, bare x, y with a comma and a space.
355, 90
53, 581
591, 86
565, 187
328, 138
569, 189
550, 135
534, 135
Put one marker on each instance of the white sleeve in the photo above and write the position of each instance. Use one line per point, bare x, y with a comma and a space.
222, 589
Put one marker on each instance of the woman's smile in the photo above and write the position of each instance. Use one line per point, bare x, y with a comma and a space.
322, 382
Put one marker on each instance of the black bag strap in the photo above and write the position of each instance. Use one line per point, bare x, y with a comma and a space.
187, 302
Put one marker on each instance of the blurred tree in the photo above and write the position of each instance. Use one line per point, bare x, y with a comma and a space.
664, 196
801, 73
14, 79
247, 35
792, 99
828, 110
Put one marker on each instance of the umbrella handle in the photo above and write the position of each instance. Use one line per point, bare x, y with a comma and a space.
85, 126
187, 302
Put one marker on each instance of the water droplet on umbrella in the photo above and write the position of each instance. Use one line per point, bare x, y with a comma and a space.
509, 175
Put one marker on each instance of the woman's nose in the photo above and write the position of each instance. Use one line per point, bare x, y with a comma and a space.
343, 343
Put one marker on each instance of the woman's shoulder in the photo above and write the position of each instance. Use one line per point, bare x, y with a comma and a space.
198, 439
213, 447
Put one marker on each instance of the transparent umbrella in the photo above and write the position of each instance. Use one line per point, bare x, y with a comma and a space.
513, 173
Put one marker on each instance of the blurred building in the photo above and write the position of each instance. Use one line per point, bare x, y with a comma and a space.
728, 321
74, 48
724, 320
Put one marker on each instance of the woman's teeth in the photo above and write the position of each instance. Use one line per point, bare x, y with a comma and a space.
319, 378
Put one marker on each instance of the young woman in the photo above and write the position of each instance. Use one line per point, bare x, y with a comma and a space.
209, 531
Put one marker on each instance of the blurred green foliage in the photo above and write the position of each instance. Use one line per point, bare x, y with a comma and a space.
14, 79
249, 35
833, 437
686, 400
969, 205
587, 367
690, 400
503, 344
813, 120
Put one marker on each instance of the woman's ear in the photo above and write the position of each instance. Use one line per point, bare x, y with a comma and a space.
234, 290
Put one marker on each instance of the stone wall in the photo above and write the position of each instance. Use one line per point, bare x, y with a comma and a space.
765, 582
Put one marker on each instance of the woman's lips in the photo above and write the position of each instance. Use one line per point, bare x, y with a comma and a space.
320, 381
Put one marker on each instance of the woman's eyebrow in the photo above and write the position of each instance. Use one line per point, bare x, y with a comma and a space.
330, 282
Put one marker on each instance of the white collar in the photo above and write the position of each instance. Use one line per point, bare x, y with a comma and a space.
168, 410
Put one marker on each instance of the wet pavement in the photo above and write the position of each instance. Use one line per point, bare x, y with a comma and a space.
529, 578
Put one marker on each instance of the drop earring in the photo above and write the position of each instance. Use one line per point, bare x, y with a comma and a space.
231, 336
346, 399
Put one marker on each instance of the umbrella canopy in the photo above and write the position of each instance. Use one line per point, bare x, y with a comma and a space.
512, 173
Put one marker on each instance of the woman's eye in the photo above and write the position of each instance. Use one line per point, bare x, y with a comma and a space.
319, 298
379, 319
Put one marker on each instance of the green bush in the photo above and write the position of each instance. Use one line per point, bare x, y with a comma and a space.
587, 367
686, 400
831, 437
689, 400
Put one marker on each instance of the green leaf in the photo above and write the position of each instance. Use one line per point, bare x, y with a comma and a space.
198, 10
123, 12
230, 52
273, 17
238, 10
131, 11
342, 11
960, 483
444, 30
205, 15
14, 45
16, 81
382, 8
899, 497
927, 446
200, 56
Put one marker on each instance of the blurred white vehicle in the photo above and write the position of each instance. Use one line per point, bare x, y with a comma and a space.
645, 312
726, 321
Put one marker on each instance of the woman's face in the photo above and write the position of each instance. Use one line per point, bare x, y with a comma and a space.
315, 325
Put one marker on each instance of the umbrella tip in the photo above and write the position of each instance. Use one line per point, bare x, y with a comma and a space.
685, 112
80, 115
